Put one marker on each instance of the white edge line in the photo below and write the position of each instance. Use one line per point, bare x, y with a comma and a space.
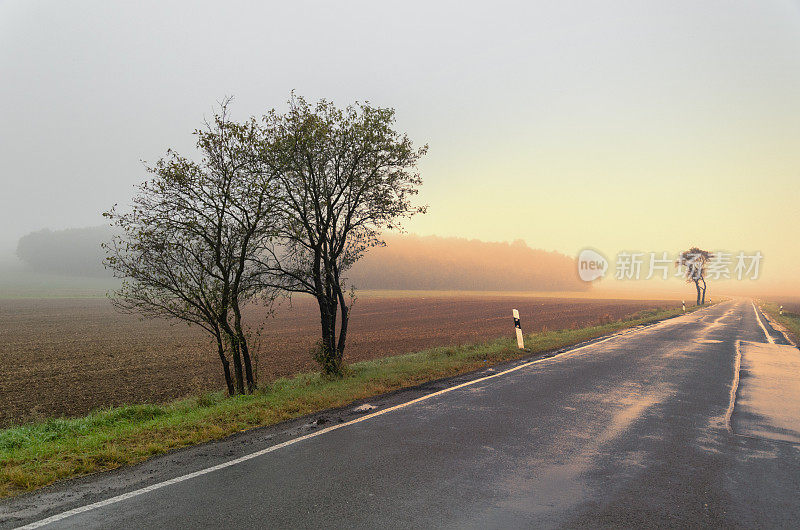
734, 386
135, 493
779, 327
769, 337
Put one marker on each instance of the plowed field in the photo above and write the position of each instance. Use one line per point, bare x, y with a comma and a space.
65, 357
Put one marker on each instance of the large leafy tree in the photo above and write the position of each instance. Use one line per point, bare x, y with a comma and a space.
346, 175
188, 246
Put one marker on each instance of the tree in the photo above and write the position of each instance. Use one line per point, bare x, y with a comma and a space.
188, 246
696, 261
73, 251
346, 175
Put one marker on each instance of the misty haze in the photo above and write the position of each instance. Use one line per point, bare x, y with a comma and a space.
399, 264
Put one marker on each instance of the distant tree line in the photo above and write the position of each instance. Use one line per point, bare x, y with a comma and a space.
450, 263
73, 252
406, 261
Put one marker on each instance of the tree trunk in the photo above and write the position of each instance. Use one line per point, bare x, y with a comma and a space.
248, 365
226, 367
242, 340
233, 339
237, 317
328, 356
237, 368
343, 328
697, 286
703, 302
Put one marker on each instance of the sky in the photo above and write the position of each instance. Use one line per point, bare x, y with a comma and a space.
620, 126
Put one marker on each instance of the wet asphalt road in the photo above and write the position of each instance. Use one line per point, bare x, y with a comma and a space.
633, 431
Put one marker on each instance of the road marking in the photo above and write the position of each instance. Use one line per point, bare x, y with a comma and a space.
734, 387
135, 493
769, 338
779, 327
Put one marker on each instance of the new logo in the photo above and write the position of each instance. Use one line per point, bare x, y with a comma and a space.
591, 265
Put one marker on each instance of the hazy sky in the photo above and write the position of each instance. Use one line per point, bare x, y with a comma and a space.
617, 125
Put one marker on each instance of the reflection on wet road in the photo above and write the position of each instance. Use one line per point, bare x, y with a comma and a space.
768, 398
690, 422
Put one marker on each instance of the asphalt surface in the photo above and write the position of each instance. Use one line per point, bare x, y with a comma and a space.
690, 422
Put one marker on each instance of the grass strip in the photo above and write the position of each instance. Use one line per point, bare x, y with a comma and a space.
37, 454
789, 320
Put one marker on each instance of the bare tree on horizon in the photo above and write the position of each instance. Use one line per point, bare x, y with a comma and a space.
696, 261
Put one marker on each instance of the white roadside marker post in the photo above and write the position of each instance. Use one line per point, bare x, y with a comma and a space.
683, 303
518, 329
781, 310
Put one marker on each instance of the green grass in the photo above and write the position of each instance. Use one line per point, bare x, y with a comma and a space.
790, 321
38, 454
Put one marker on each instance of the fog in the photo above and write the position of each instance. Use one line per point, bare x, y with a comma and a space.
614, 125
68, 262
406, 262
435, 263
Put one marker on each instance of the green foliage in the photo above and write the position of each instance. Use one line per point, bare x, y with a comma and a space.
790, 320
287, 203
346, 176
188, 246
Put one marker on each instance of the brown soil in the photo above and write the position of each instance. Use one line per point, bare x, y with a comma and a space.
65, 357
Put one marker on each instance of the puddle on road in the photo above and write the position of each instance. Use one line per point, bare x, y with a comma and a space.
768, 399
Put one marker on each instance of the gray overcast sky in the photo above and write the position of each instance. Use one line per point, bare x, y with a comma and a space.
586, 113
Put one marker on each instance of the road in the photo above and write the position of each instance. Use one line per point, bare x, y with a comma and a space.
694, 421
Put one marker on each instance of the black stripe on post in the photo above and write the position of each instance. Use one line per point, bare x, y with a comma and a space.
516, 323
